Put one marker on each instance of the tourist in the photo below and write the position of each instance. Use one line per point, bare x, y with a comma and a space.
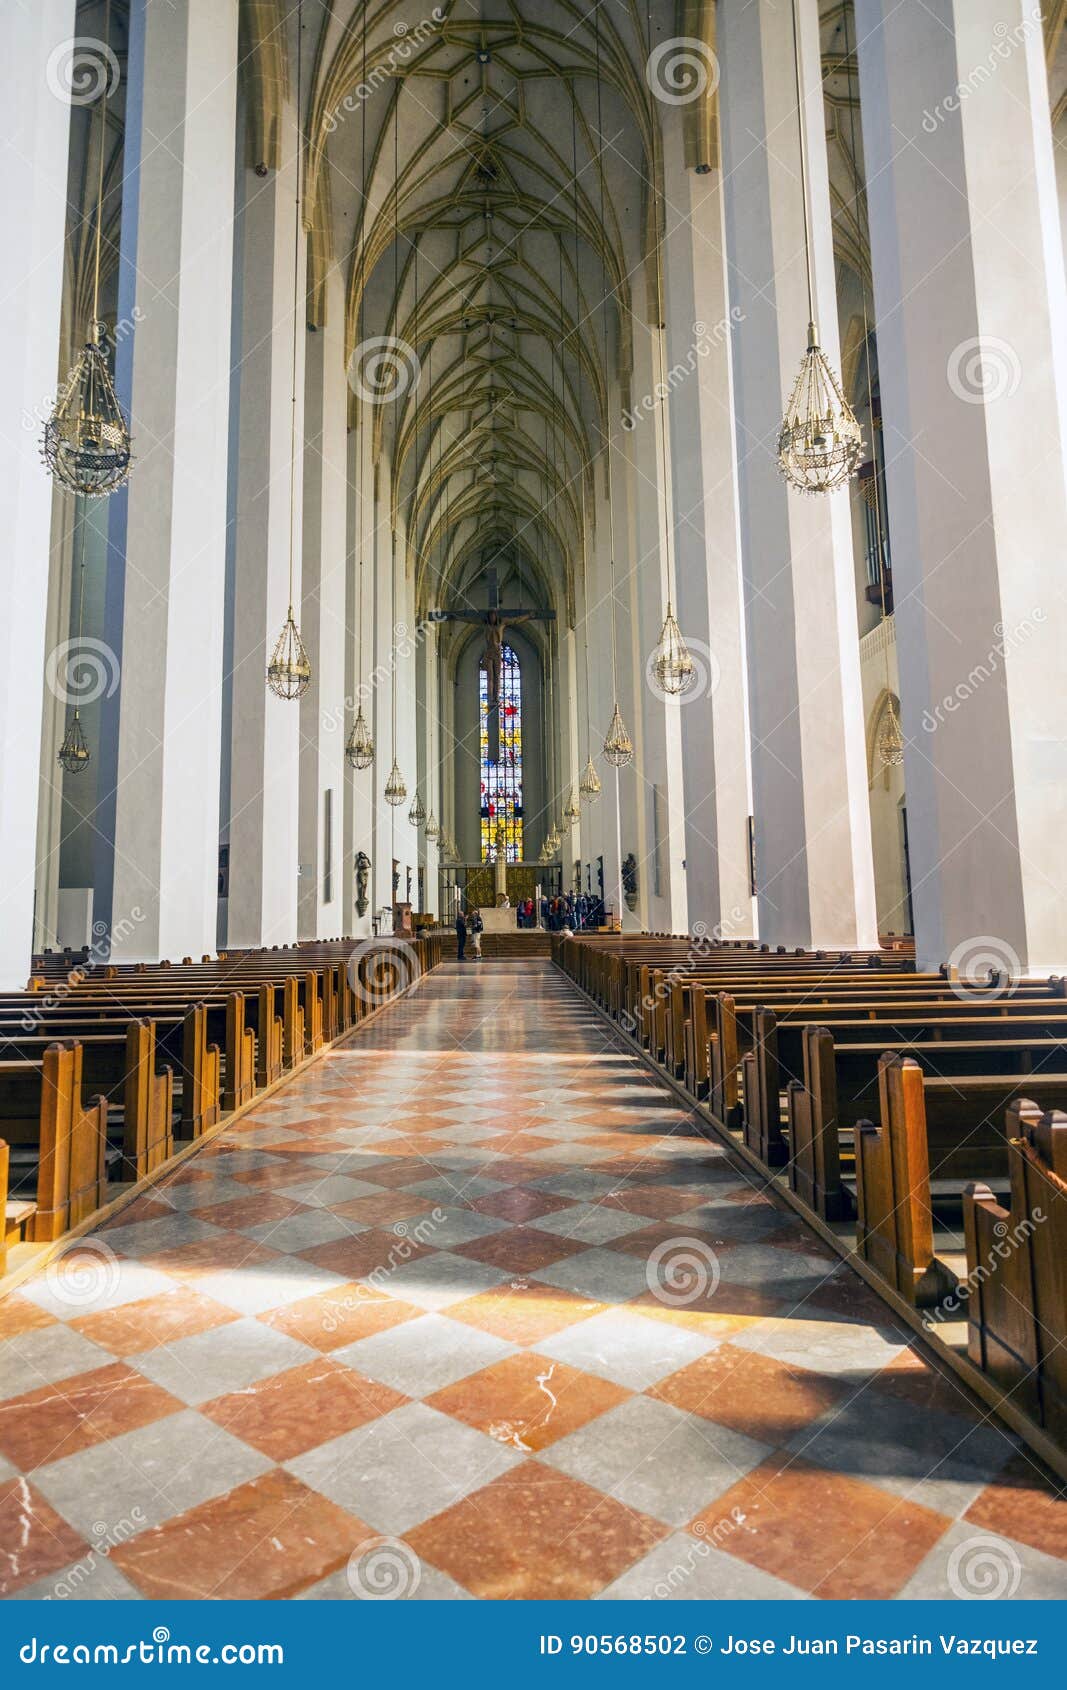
461, 936
475, 927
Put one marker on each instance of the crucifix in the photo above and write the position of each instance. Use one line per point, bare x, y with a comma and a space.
496, 620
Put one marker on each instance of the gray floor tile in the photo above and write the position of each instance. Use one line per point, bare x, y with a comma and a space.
145, 1477
227, 1358
92, 1579
435, 1281
656, 1459
627, 1347
41, 1358
606, 1275
302, 1231
404, 1467
972, 1565
685, 1568
805, 1339
422, 1356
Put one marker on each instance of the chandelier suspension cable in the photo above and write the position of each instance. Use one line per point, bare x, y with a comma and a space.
589, 784
417, 813
100, 178
820, 443
74, 753
395, 787
618, 746
289, 669
672, 665
890, 745
359, 748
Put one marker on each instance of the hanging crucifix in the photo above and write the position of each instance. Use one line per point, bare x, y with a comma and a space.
496, 620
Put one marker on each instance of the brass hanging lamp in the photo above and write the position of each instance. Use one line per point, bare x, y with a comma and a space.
891, 735
589, 786
289, 669
86, 442
417, 813
672, 667
432, 830
359, 748
618, 746
820, 443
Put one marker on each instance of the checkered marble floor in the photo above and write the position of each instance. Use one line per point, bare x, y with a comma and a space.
470, 1308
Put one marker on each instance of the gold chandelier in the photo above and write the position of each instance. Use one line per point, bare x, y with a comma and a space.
432, 830
618, 747
417, 813
86, 443
359, 747
589, 785
573, 812
395, 787
820, 443
289, 670
891, 735
74, 753
672, 666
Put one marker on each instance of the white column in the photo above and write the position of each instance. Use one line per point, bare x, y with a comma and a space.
707, 559
264, 785
33, 159
177, 258
815, 873
972, 339
324, 581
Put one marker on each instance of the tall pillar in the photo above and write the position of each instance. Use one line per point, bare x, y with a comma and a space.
324, 582
175, 282
264, 781
33, 157
707, 559
972, 337
814, 868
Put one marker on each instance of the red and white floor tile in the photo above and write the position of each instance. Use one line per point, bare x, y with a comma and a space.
471, 1308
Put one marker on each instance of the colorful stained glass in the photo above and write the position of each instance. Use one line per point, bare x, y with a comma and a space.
501, 789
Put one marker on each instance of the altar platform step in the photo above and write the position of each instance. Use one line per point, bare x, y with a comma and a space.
504, 947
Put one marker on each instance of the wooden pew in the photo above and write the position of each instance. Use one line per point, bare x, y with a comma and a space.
41, 1107
1016, 1281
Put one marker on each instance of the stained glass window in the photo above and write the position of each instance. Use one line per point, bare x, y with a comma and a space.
501, 789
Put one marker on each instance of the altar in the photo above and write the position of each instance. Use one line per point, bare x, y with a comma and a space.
499, 921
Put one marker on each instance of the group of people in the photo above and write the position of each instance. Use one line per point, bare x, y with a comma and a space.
573, 911
469, 926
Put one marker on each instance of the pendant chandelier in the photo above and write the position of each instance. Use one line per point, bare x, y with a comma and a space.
618, 747
891, 735
820, 443
289, 670
673, 669
432, 830
417, 813
573, 811
672, 666
395, 787
359, 748
86, 443
589, 785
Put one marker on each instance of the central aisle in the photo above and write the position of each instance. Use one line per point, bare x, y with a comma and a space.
471, 1307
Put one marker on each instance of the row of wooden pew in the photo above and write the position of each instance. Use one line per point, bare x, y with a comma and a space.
105, 1072
914, 1117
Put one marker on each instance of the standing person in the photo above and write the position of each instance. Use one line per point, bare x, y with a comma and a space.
476, 926
461, 936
